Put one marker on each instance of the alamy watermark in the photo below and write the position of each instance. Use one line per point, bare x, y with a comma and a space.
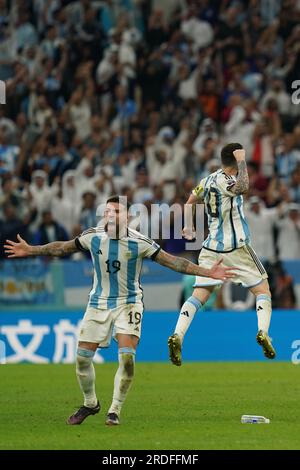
296, 354
2, 92
159, 221
296, 93
2, 352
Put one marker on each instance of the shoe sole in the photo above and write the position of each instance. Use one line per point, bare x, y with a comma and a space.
175, 350
111, 423
265, 343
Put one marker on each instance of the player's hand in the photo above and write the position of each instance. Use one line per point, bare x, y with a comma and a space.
218, 271
17, 249
188, 233
239, 155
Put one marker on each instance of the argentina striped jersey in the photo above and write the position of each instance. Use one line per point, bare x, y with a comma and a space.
227, 226
117, 266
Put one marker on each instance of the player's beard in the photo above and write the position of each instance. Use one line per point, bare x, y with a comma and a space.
114, 230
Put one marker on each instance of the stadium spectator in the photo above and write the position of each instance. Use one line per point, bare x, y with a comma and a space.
277, 93
261, 221
287, 157
289, 233
10, 224
49, 230
200, 32
88, 213
41, 193
294, 185
79, 111
282, 288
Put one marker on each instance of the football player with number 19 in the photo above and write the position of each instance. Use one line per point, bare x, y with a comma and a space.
115, 305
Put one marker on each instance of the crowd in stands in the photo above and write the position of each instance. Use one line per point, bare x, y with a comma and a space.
137, 97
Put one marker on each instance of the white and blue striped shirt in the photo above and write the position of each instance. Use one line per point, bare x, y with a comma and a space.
117, 266
228, 228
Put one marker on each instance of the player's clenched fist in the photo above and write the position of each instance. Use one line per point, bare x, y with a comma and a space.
239, 154
188, 233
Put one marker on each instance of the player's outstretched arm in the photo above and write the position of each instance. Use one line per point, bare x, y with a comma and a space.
188, 231
242, 180
182, 265
21, 248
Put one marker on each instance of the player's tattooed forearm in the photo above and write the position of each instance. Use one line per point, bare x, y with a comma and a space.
242, 181
181, 265
55, 249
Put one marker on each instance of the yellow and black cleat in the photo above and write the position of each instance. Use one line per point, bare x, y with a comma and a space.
264, 341
174, 345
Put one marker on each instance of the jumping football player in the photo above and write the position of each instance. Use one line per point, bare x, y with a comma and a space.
229, 239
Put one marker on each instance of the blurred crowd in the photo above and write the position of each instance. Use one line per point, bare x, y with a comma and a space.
137, 97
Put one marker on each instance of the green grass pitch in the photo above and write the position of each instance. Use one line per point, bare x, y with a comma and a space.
196, 406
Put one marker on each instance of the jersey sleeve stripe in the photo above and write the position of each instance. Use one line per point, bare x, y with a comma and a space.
155, 254
139, 236
89, 230
79, 246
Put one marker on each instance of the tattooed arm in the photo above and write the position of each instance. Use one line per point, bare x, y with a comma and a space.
22, 249
182, 265
188, 231
242, 181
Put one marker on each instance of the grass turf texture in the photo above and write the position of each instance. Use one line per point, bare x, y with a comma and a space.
196, 406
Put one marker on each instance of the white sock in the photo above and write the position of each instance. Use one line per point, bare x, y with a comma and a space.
123, 379
187, 313
86, 376
264, 311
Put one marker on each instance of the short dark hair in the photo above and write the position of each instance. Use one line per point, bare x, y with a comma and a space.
119, 200
227, 156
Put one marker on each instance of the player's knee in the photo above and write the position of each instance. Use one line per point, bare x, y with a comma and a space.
202, 295
264, 291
